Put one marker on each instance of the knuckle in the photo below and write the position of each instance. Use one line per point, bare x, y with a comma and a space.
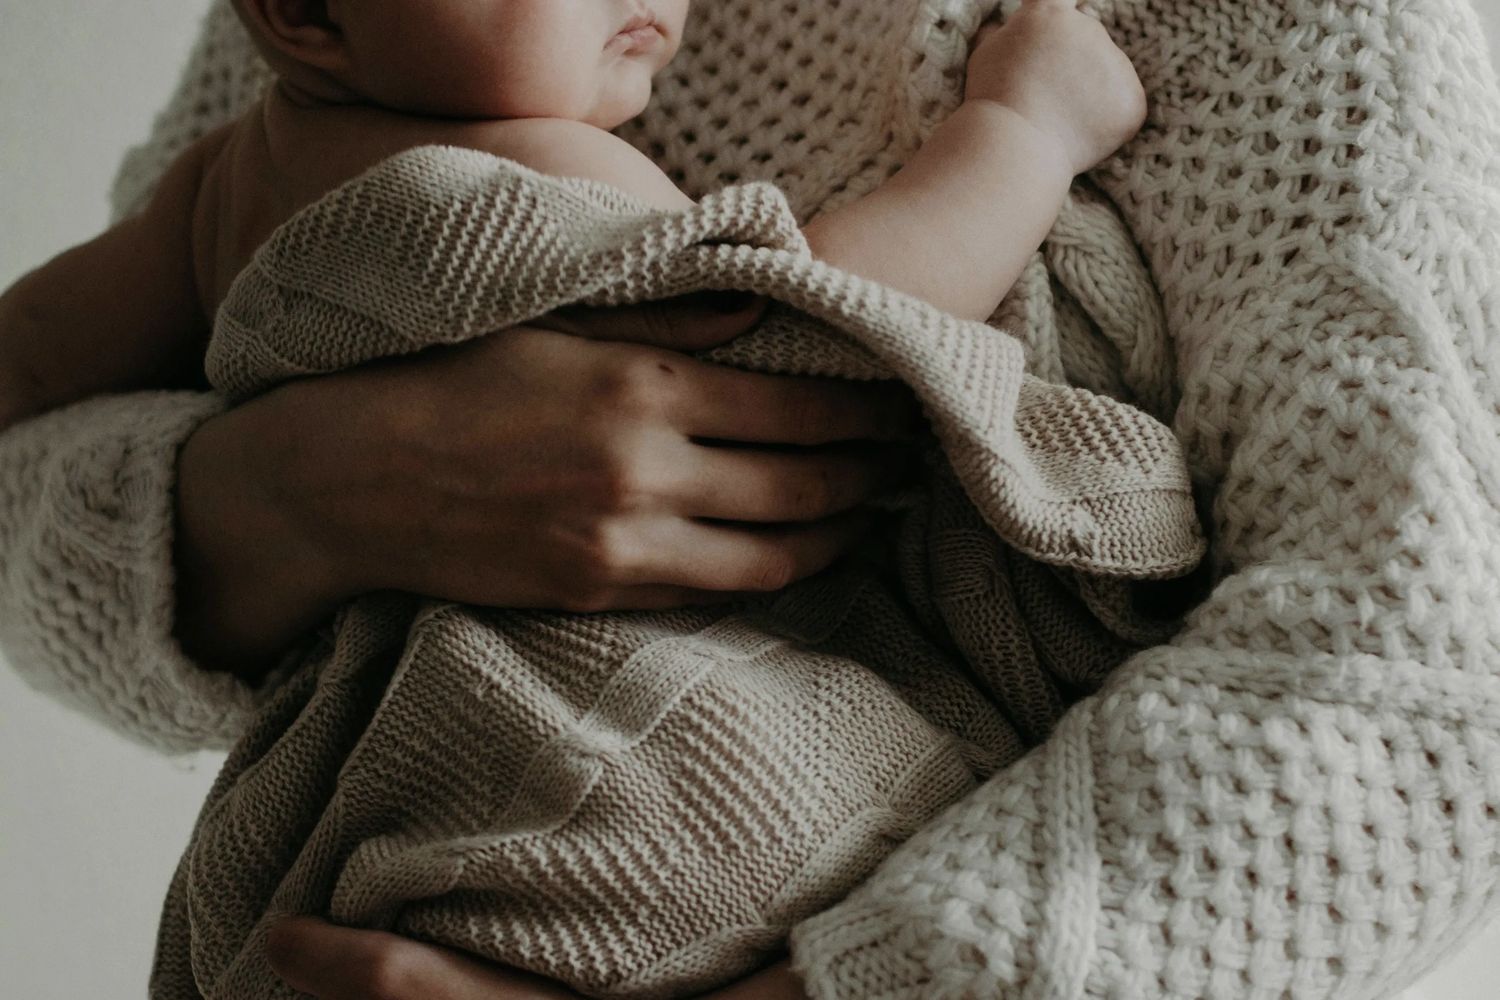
773, 571
815, 495
618, 484
606, 553
659, 325
630, 389
282, 946
811, 411
393, 973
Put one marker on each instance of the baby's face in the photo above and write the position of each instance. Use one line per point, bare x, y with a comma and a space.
584, 60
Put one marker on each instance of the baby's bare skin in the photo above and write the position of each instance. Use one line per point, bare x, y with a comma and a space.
1048, 96
133, 308
285, 155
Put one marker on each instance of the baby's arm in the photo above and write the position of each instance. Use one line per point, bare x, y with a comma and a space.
1048, 96
957, 224
120, 312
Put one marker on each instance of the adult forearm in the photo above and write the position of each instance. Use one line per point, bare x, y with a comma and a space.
20, 393
251, 579
956, 225
15, 404
117, 313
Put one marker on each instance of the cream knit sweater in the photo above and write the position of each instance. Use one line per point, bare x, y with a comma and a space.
541, 788
1297, 796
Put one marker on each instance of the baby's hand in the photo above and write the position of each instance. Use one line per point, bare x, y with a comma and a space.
1057, 67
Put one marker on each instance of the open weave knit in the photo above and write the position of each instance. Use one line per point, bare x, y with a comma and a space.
540, 788
1297, 796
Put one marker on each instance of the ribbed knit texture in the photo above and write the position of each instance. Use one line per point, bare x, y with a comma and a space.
1297, 797
540, 789
86, 598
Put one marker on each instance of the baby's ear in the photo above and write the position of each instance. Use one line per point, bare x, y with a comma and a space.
301, 29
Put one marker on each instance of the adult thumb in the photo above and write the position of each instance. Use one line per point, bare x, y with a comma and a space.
689, 323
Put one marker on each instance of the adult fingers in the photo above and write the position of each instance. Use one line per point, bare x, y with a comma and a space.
752, 484
657, 597
690, 323
728, 404
341, 963
749, 558
716, 401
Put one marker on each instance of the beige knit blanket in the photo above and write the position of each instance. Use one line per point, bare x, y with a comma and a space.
644, 804
1294, 797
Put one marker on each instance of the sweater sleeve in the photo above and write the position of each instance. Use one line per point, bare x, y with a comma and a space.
1298, 796
87, 591
87, 506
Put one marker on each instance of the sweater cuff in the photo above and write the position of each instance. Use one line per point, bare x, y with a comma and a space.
87, 588
855, 952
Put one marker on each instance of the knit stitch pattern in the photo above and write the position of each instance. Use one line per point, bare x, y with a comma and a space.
86, 569
1297, 796
716, 765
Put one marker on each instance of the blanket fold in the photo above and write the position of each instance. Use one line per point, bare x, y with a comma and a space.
1297, 797
443, 245
645, 804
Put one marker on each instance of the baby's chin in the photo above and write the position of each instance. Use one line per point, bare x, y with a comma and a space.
622, 104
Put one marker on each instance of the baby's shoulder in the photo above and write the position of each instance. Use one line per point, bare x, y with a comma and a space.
566, 148
178, 187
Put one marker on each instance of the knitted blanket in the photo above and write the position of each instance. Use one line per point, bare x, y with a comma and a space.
540, 788
1296, 796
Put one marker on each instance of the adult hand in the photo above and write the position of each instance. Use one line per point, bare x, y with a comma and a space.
338, 963
529, 468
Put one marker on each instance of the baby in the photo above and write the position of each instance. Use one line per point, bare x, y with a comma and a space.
540, 82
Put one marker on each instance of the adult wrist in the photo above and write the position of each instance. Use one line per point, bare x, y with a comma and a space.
250, 578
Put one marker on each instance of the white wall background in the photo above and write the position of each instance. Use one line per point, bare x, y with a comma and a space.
90, 825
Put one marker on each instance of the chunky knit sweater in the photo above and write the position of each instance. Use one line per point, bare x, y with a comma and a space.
540, 788
1296, 795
